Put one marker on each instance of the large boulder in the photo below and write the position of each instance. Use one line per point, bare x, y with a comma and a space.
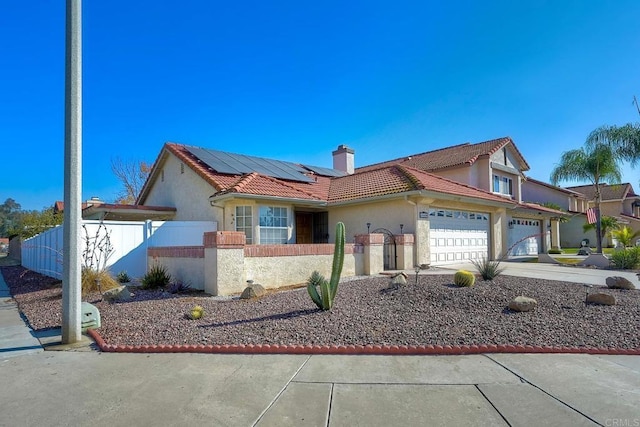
522, 303
398, 280
617, 282
121, 293
254, 290
601, 298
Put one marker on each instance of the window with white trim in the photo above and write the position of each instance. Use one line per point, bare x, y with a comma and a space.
274, 223
244, 222
502, 185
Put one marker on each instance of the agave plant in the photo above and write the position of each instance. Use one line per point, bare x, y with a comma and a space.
328, 289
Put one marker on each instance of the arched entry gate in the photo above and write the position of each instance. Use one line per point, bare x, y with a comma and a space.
389, 248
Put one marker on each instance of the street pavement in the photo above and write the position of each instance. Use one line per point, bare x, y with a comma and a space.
83, 387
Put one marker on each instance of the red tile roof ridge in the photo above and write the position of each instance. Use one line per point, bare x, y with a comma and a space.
531, 205
485, 193
197, 165
403, 158
244, 181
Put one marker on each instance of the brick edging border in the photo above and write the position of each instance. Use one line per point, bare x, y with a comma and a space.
390, 350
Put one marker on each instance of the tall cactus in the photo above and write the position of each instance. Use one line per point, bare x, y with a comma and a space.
328, 290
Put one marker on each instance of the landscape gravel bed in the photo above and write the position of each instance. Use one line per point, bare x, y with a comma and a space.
366, 312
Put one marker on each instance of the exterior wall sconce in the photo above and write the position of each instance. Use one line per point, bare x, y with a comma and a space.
368, 227
401, 227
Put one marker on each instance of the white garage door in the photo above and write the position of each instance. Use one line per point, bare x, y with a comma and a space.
457, 236
524, 236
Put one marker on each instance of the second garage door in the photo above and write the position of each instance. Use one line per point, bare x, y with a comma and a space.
524, 236
457, 236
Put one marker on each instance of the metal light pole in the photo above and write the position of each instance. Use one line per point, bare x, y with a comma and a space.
71, 275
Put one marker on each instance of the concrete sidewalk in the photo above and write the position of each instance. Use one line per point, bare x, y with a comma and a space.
107, 389
16, 338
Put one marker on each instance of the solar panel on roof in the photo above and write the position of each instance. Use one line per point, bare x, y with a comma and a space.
325, 171
239, 164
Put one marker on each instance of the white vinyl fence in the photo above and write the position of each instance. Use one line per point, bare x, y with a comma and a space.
128, 239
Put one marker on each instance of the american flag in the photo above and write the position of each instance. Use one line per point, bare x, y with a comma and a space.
591, 216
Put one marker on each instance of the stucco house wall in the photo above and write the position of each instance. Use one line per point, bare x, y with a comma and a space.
571, 233
533, 192
179, 186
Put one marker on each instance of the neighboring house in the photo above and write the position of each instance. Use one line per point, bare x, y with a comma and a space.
496, 166
618, 201
95, 208
573, 202
459, 203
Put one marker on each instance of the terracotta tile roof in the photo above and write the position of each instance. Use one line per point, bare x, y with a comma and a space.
553, 187
400, 179
380, 181
607, 192
457, 155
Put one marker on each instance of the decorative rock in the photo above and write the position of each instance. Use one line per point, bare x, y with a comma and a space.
398, 280
617, 282
254, 290
522, 303
601, 298
121, 293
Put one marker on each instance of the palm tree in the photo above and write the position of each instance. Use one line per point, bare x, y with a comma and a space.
607, 223
595, 162
625, 140
625, 236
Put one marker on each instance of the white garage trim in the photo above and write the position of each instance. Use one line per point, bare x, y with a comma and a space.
524, 236
456, 235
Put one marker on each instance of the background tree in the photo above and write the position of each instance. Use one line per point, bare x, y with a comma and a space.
35, 222
9, 212
132, 174
594, 163
624, 140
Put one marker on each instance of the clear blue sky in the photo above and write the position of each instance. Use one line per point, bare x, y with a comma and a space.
292, 80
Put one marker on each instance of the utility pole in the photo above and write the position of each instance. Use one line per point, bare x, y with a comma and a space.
71, 274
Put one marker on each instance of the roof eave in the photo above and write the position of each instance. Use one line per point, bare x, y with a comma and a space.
223, 198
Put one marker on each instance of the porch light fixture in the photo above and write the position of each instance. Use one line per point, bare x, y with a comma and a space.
401, 227
368, 227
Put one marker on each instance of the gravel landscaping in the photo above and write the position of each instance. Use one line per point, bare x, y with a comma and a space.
366, 311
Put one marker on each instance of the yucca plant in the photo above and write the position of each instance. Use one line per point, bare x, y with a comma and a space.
324, 298
464, 278
157, 277
487, 268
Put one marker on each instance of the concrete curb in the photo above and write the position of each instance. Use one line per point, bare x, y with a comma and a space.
389, 350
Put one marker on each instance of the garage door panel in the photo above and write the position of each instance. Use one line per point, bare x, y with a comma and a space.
458, 235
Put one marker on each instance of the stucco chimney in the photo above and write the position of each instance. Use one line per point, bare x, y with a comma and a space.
344, 159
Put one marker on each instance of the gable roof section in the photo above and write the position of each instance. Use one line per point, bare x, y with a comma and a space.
457, 155
396, 179
607, 192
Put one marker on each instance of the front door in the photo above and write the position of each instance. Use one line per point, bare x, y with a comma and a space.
304, 227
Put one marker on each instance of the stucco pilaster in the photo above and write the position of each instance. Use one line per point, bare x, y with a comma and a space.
224, 262
499, 234
373, 252
555, 233
404, 251
422, 253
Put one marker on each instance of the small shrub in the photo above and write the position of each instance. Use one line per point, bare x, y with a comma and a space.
464, 278
96, 281
123, 277
488, 269
179, 287
196, 313
156, 277
554, 251
626, 259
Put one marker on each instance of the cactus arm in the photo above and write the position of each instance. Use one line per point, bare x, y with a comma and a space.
327, 297
313, 293
338, 259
